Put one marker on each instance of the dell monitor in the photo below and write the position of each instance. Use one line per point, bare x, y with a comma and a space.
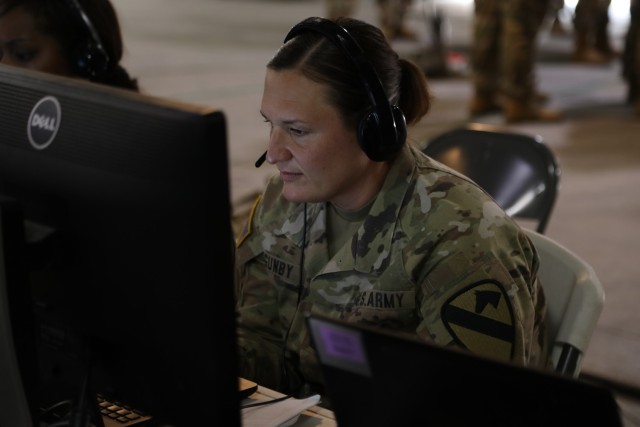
117, 253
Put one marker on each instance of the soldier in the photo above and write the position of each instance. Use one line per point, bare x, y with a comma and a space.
392, 19
591, 21
503, 60
338, 8
360, 225
73, 38
391, 13
631, 57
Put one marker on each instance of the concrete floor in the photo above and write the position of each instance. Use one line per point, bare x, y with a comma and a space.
213, 52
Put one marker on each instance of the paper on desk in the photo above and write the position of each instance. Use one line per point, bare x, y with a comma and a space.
278, 414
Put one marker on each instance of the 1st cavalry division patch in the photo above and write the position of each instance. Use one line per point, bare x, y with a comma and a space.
480, 318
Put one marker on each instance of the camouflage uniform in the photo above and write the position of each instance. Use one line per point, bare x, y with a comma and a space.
591, 20
392, 16
504, 47
338, 8
435, 258
631, 57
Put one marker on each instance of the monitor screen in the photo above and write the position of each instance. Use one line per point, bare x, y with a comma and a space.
124, 246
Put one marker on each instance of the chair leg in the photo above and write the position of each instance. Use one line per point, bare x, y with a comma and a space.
568, 360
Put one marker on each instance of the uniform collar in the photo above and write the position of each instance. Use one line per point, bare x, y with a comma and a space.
376, 234
372, 249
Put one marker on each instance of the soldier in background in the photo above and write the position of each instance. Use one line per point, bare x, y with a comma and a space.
591, 23
392, 14
53, 36
503, 54
362, 226
392, 19
338, 8
631, 57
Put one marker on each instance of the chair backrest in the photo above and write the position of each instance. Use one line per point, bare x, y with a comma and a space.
575, 299
518, 170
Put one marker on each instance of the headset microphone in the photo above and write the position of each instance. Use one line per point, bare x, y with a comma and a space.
261, 160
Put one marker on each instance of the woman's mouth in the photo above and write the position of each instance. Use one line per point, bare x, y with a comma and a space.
289, 176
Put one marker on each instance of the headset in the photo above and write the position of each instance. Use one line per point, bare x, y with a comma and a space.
89, 58
382, 131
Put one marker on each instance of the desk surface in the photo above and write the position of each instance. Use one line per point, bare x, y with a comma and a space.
314, 416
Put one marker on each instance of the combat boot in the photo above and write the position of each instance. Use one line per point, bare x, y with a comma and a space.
584, 52
589, 55
483, 104
517, 111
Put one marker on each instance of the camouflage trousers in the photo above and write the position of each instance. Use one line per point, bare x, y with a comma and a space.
392, 14
591, 20
337, 8
504, 47
631, 56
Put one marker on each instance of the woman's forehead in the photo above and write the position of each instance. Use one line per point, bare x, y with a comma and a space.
290, 88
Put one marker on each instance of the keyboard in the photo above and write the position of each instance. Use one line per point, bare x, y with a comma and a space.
116, 414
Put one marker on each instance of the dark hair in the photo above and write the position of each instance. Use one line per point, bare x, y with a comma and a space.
54, 18
320, 60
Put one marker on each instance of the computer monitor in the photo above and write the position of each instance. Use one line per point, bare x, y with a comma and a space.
118, 226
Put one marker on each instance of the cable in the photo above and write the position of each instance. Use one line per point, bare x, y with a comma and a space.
300, 288
54, 407
304, 243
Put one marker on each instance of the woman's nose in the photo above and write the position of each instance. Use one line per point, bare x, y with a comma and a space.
278, 146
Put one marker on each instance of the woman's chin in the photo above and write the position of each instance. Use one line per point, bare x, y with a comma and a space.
296, 194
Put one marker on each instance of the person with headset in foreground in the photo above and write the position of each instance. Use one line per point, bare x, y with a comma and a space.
360, 225
73, 38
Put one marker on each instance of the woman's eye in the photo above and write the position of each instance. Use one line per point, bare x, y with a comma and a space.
24, 56
296, 132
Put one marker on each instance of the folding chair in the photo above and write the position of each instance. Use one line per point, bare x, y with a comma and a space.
518, 170
575, 299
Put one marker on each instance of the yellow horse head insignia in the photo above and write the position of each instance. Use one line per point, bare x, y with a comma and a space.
480, 318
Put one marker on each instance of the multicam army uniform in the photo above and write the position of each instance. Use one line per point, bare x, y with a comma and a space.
337, 8
435, 258
590, 21
631, 56
504, 47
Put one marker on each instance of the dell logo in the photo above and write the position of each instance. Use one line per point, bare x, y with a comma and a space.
44, 122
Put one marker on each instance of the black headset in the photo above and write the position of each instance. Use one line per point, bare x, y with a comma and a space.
89, 58
382, 131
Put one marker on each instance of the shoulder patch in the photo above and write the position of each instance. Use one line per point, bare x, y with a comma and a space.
480, 318
246, 230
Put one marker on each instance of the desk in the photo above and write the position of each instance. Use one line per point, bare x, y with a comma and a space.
314, 416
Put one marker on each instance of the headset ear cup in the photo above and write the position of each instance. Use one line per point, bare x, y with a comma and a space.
401, 126
370, 137
382, 144
90, 61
